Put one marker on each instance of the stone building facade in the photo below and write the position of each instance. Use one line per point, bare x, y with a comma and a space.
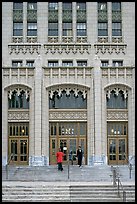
68, 79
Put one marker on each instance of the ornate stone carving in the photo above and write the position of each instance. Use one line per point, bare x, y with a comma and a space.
117, 115
68, 88
31, 39
18, 115
67, 48
82, 39
53, 39
117, 89
18, 89
110, 48
68, 115
24, 48
17, 39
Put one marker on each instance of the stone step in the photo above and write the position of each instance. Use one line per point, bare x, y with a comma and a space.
76, 193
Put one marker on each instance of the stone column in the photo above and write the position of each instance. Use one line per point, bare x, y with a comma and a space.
97, 112
37, 159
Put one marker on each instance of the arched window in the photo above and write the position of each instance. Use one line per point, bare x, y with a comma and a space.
18, 101
70, 101
117, 101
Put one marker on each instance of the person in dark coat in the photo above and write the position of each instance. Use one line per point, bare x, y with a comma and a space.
79, 156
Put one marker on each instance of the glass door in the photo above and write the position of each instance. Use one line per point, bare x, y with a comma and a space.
117, 143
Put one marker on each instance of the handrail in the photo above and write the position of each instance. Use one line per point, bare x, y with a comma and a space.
116, 178
129, 166
120, 185
9, 159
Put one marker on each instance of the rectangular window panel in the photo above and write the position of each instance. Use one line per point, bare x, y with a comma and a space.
104, 63
17, 29
82, 63
52, 63
116, 6
30, 63
102, 29
81, 6
32, 29
18, 6
117, 63
16, 63
32, 6
67, 6
52, 29
53, 5
67, 63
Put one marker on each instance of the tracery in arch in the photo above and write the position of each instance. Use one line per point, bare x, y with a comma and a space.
68, 97
18, 97
117, 97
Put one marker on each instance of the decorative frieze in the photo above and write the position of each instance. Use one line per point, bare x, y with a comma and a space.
85, 72
21, 115
67, 48
24, 48
124, 72
110, 48
65, 115
113, 115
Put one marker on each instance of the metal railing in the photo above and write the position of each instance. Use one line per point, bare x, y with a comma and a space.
129, 166
117, 183
11, 156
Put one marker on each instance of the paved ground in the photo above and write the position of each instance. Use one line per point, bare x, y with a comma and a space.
102, 173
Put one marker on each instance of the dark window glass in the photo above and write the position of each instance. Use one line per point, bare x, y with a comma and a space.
67, 6
102, 29
81, 6
116, 6
53, 5
117, 101
53, 29
17, 29
32, 29
68, 101
18, 101
18, 6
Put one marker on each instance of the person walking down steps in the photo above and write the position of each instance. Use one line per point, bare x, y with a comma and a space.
59, 156
79, 156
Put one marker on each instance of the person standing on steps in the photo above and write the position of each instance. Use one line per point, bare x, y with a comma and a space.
79, 156
59, 156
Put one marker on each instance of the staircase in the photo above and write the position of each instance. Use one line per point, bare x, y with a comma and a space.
63, 192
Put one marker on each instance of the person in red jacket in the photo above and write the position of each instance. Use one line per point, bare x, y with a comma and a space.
60, 156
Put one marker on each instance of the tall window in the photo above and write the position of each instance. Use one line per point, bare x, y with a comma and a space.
67, 19
17, 19
116, 19
31, 19
81, 19
52, 19
102, 19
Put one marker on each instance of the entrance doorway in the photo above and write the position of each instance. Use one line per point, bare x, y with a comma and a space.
18, 143
68, 136
117, 143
